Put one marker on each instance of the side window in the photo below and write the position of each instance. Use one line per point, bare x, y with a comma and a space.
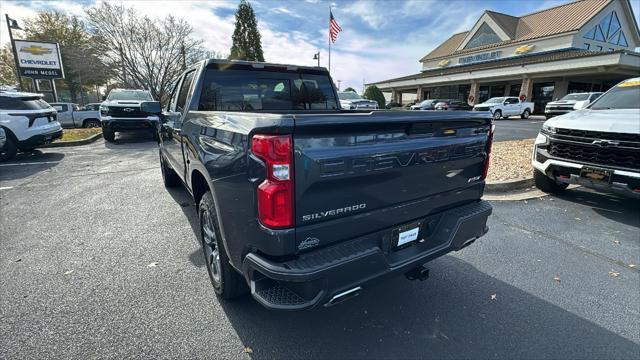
171, 104
61, 107
184, 92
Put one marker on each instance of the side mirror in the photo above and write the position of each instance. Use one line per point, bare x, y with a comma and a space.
151, 107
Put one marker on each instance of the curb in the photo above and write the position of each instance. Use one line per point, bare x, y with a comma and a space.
509, 185
86, 141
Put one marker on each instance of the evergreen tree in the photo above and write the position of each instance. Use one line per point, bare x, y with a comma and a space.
246, 37
350, 89
373, 93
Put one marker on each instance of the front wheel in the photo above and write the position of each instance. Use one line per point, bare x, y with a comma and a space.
169, 176
227, 282
525, 114
546, 184
109, 135
497, 115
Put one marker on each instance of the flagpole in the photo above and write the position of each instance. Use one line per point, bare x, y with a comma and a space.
329, 40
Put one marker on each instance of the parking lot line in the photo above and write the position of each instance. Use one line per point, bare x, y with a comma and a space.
31, 163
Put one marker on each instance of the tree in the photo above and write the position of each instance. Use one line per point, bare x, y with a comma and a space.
246, 37
373, 93
350, 89
146, 53
7, 67
81, 51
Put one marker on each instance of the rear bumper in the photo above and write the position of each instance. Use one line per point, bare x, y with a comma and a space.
40, 139
316, 277
126, 124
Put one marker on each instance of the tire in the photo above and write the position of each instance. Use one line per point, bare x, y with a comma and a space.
227, 282
9, 149
544, 183
525, 114
497, 115
91, 123
169, 176
108, 135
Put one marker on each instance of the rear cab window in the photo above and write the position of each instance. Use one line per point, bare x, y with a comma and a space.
244, 88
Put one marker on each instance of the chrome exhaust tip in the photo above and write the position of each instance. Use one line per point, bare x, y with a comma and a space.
343, 296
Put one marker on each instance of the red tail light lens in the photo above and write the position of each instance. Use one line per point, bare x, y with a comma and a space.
485, 172
275, 193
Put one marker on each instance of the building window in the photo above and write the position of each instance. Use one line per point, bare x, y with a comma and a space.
497, 91
586, 46
608, 30
484, 36
514, 90
483, 94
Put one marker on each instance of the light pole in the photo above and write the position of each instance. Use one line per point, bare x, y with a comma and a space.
316, 56
13, 24
339, 81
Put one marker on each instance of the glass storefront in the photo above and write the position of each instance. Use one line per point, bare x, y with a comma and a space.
514, 90
542, 94
496, 91
454, 92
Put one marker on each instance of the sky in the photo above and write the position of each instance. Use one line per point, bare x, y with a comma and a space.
380, 39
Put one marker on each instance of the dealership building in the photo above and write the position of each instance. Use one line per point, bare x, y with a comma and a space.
582, 46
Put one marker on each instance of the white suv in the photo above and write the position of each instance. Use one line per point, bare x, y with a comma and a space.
28, 122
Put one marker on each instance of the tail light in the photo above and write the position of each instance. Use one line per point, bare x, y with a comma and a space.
275, 193
485, 172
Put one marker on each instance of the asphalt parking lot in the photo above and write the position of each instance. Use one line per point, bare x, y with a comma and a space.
98, 259
518, 129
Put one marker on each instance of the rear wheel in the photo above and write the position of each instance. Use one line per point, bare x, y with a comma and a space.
9, 149
169, 176
109, 135
92, 123
544, 183
497, 115
525, 114
227, 282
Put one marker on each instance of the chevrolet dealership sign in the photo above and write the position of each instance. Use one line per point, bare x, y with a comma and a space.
39, 60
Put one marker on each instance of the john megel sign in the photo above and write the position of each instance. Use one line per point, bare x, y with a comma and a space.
39, 60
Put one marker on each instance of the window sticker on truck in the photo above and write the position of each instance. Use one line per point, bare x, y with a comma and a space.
334, 212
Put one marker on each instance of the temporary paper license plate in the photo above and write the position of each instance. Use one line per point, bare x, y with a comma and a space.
406, 234
596, 174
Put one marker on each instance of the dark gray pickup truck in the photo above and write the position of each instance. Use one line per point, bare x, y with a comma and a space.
306, 204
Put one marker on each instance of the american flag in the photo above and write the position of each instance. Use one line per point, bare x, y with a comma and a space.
334, 28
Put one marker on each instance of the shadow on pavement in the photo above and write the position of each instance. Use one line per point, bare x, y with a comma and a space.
184, 199
451, 315
132, 137
17, 167
615, 207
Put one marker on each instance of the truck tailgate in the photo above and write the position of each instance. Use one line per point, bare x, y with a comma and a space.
360, 173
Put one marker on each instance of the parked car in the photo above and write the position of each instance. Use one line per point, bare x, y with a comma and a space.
392, 104
596, 147
453, 105
503, 107
429, 104
28, 122
70, 116
570, 102
282, 206
352, 101
121, 112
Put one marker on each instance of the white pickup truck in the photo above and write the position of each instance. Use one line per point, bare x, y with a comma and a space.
70, 115
503, 107
596, 147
